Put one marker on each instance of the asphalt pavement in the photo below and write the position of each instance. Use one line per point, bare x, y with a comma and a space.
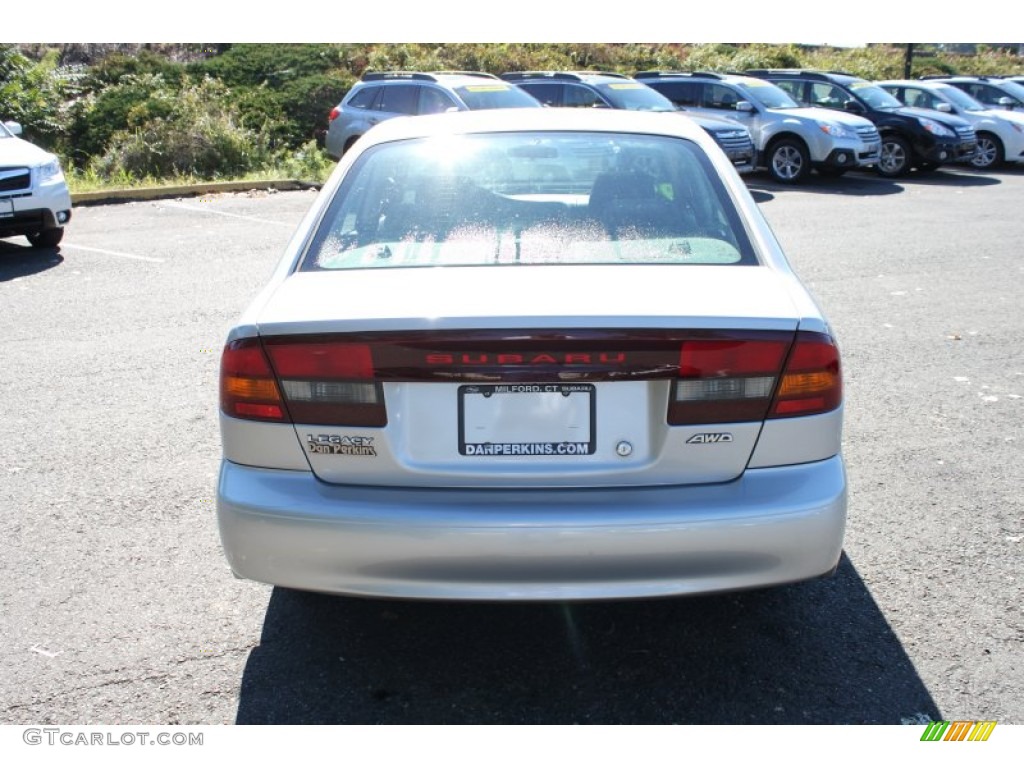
118, 607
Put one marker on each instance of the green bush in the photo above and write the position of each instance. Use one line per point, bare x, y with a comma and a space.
34, 94
285, 91
190, 132
135, 111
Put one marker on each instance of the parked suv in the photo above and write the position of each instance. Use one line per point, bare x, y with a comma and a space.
34, 199
1000, 132
790, 139
379, 96
608, 89
911, 137
992, 92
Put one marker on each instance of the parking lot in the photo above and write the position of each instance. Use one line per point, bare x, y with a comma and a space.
119, 607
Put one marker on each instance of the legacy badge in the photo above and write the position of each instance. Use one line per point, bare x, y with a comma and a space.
346, 445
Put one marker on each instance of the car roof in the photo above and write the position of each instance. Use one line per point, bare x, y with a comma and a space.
821, 75
551, 119
925, 84
964, 79
450, 78
724, 77
575, 76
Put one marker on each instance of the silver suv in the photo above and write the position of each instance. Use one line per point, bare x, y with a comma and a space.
379, 96
790, 139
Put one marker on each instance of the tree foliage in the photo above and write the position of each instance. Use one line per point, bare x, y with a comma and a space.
216, 109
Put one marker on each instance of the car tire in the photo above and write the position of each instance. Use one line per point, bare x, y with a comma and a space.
990, 152
789, 162
895, 157
348, 144
48, 238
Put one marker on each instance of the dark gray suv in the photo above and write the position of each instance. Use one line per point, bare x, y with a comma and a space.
380, 96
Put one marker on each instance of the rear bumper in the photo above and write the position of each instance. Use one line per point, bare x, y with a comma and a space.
771, 526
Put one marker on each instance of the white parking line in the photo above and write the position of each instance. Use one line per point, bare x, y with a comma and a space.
111, 253
206, 209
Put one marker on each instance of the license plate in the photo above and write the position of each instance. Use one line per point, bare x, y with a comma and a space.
527, 420
6, 209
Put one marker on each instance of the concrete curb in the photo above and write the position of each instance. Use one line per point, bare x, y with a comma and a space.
108, 196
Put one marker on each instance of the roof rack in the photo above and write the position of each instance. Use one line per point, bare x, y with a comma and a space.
807, 74
398, 76
431, 77
952, 77
466, 73
577, 75
652, 73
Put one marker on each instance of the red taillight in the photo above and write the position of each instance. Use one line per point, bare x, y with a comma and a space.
248, 389
334, 113
321, 360
725, 380
328, 382
735, 380
812, 382
312, 381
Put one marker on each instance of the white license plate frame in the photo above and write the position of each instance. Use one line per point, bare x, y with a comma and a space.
544, 420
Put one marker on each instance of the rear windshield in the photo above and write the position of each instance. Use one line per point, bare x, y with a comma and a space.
539, 198
495, 96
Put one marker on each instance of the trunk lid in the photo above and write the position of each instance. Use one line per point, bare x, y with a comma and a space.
540, 376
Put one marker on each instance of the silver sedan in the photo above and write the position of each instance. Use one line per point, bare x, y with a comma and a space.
532, 355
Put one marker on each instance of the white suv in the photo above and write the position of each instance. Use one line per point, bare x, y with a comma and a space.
34, 198
790, 139
1000, 132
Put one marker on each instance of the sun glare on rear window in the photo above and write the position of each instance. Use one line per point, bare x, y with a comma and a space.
545, 198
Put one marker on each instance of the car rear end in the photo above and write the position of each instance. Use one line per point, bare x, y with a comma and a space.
509, 391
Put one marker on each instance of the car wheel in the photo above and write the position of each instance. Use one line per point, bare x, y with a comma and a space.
48, 238
895, 157
788, 161
349, 143
990, 152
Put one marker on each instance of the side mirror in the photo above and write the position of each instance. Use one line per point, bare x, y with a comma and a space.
13, 127
744, 106
943, 107
852, 105
1006, 102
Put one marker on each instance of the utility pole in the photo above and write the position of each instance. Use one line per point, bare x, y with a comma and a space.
908, 61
